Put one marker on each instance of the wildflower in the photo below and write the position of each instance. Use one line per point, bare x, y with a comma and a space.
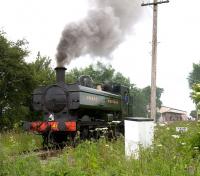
162, 124
196, 148
159, 145
175, 136
106, 145
183, 143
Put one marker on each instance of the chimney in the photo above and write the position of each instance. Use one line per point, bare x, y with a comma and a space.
60, 74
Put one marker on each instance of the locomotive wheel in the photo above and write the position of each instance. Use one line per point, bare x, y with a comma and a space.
48, 140
52, 139
112, 133
52, 142
84, 134
59, 140
71, 140
96, 135
45, 140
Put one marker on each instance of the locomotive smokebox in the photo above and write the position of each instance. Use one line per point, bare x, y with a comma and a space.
60, 74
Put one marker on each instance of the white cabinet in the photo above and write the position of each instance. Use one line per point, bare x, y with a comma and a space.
138, 131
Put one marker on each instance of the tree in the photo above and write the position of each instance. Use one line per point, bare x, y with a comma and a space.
193, 113
195, 95
139, 102
194, 76
119, 78
147, 93
16, 81
42, 72
99, 73
194, 83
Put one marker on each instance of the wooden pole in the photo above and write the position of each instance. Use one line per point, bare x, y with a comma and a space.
154, 62
154, 57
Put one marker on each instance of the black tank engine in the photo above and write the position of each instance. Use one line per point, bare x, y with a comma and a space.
68, 110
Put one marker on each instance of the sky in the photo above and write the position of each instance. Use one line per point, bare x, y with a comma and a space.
41, 22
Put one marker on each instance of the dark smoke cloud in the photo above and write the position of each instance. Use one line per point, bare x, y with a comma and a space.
104, 28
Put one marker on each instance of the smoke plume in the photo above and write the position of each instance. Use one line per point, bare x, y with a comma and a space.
104, 28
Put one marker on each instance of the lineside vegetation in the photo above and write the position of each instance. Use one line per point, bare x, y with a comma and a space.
172, 153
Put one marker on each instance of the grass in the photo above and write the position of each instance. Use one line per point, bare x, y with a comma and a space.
14, 142
172, 154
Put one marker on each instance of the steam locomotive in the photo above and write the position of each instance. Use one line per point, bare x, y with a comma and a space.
68, 110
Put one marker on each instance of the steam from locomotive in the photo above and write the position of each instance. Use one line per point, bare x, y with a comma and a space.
100, 33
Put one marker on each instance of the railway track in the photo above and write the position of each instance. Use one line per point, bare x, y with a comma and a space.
48, 152
42, 153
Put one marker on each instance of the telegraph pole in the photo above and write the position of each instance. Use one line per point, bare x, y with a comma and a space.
155, 4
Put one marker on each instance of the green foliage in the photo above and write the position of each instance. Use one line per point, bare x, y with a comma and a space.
16, 82
195, 142
194, 83
42, 72
194, 76
12, 161
193, 113
172, 153
14, 142
195, 95
139, 102
147, 93
21, 166
99, 73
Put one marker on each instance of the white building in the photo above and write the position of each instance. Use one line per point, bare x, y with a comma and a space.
171, 114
